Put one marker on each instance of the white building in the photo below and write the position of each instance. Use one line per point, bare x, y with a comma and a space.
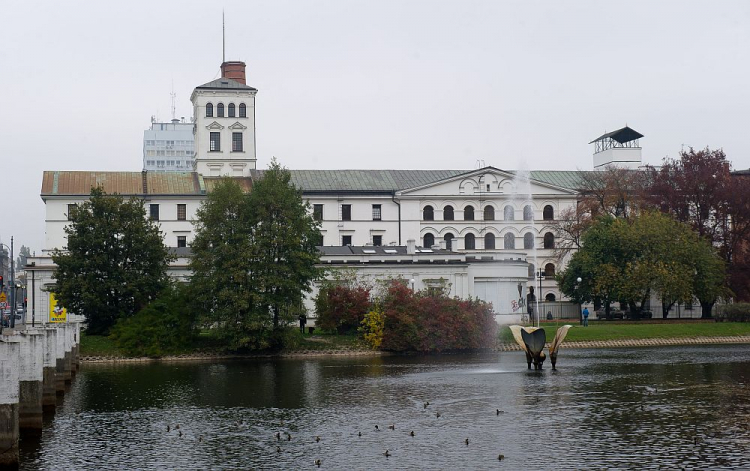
168, 147
485, 232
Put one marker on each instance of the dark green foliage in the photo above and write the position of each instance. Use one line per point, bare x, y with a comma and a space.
738, 312
115, 262
165, 327
253, 258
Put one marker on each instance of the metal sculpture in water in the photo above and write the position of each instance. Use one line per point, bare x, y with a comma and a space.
532, 341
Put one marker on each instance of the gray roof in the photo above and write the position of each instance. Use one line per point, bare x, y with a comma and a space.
224, 83
393, 180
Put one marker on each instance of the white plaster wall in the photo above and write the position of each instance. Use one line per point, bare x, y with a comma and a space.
202, 134
361, 227
623, 157
60, 340
32, 356
50, 347
9, 371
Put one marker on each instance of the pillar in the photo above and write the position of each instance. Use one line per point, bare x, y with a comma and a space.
60, 360
49, 401
68, 330
10, 352
31, 378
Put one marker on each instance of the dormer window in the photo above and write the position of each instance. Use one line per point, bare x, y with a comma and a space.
243, 110
209, 110
230, 110
220, 110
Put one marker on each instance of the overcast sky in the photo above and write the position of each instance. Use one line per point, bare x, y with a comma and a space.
376, 84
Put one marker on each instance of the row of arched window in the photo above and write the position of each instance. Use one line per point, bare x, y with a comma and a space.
230, 110
509, 213
509, 241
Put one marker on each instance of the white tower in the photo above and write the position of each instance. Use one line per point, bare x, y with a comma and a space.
224, 112
619, 148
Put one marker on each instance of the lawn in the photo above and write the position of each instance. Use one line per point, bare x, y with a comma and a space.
598, 331
98, 346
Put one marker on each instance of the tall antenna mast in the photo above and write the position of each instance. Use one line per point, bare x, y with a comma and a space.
173, 95
223, 40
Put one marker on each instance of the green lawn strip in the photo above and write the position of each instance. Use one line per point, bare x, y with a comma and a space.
98, 346
603, 331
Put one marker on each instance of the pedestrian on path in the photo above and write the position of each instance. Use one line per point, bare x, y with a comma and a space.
585, 317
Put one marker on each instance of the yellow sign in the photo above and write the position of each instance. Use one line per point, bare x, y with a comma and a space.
3, 297
56, 313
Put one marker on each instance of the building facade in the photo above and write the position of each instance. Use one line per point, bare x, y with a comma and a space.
168, 147
484, 233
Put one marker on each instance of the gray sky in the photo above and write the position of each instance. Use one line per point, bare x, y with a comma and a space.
377, 84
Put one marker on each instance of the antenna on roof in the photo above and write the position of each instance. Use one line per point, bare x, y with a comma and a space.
223, 40
173, 95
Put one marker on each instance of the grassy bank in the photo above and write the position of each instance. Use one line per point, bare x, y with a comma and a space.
102, 346
608, 331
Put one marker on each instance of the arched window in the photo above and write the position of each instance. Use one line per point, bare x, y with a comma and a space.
220, 110
528, 240
550, 298
209, 110
549, 213
469, 242
528, 213
448, 213
489, 213
489, 241
428, 214
509, 241
549, 240
230, 110
508, 213
429, 241
531, 270
549, 270
243, 110
469, 213
448, 241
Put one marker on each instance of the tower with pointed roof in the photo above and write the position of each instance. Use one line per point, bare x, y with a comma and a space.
224, 114
618, 148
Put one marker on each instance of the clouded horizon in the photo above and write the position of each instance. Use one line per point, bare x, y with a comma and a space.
354, 84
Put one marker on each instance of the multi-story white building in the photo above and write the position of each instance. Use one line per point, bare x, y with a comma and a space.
485, 232
168, 147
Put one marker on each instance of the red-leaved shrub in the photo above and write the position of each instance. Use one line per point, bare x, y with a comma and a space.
341, 307
425, 322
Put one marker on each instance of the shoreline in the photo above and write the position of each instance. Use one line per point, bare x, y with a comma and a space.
505, 347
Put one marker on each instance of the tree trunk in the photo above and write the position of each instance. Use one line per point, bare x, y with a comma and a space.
706, 308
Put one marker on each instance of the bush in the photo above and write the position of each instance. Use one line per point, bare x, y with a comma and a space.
166, 326
372, 328
341, 308
429, 323
738, 312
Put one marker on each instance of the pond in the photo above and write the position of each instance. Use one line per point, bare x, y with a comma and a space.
677, 407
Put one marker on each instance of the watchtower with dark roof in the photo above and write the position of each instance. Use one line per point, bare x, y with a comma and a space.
619, 148
224, 113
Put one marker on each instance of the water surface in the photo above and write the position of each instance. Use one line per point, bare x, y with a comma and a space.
675, 407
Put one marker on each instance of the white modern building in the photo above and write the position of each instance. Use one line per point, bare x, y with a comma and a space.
168, 147
483, 233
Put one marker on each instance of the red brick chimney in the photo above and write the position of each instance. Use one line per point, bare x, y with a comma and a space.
234, 70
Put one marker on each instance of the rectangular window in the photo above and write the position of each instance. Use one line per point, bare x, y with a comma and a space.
318, 212
215, 142
346, 240
181, 241
71, 210
236, 142
319, 240
376, 212
346, 212
377, 240
181, 212
154, 212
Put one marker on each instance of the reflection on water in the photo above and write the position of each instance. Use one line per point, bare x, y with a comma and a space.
680, 407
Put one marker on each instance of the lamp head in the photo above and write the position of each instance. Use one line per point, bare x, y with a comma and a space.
579, 279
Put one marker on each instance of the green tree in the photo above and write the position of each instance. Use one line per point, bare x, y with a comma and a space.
253, 258
23, 254
115, 261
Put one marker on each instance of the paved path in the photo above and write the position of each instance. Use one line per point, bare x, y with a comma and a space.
505, 347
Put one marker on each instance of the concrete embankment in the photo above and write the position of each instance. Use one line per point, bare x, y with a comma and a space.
30, 372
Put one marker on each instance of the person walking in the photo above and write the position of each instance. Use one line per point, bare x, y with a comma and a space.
585, 317
302, 322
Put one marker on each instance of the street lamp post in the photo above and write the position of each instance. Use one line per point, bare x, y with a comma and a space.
12, 285
578, 299
412, 281
540, 277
